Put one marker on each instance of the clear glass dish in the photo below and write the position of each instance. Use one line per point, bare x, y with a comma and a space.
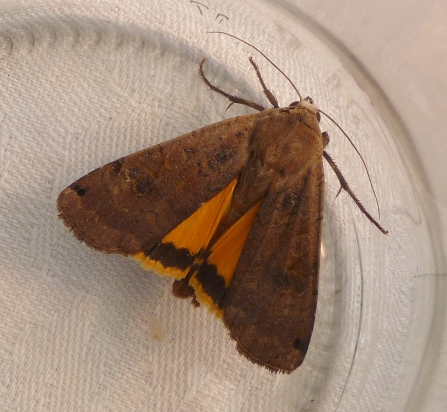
84, 85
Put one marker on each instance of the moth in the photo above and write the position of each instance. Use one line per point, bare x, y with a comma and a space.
232, 211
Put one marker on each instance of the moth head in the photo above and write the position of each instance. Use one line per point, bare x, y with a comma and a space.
308, 104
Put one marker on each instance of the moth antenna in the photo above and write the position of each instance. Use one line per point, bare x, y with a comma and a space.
267, 92
263, 55
299, 95
361, 157
232, 98
345, 186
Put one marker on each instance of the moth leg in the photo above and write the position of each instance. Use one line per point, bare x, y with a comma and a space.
326, 139
267, 92
345, 186
233, 99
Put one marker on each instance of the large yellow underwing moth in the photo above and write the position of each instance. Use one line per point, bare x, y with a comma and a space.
233, 212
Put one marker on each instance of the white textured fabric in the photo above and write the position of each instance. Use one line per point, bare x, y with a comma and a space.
84, 84
82, 331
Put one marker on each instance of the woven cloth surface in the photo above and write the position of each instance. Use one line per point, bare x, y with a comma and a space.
83, 331
84, 84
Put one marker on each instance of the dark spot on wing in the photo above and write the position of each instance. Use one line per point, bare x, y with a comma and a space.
80, 191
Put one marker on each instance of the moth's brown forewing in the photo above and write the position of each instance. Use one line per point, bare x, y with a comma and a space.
148, 203
129, 205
